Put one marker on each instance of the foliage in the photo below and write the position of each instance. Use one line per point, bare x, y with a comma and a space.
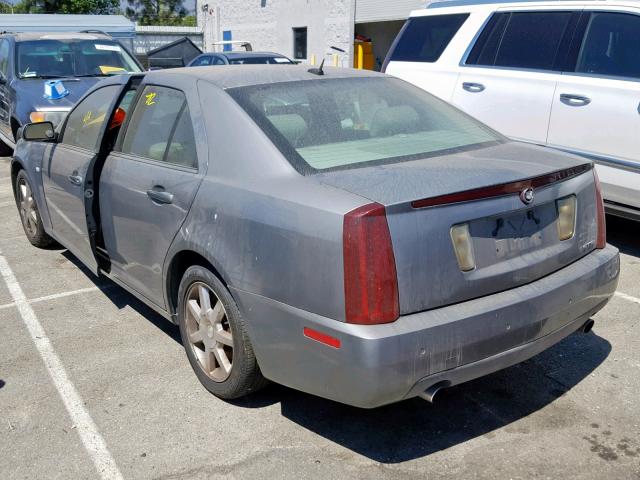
156, 12
96, 7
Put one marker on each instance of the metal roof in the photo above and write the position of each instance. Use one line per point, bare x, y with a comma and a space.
231, 76
115, 25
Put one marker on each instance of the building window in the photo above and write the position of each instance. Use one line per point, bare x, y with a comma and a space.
300, 43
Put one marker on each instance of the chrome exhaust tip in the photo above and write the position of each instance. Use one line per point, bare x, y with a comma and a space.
588, 325
430, 393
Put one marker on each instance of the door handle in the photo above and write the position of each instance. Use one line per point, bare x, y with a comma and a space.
473, 87
160, 196
75, 179
574, 100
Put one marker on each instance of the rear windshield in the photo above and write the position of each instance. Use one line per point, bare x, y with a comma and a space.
343, 123
259, 60
72, 58
423, 39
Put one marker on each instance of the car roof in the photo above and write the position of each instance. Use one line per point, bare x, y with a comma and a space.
441, 7
231, 55
28, 36
246, 75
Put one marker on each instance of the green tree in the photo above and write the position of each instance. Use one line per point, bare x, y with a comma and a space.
96, 7
156, 12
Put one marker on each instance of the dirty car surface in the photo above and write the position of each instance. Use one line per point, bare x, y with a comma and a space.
347, 235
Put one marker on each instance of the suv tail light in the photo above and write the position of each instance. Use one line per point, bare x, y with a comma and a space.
370, 280
601, 236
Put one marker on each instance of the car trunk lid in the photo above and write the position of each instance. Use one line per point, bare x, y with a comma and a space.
513, 242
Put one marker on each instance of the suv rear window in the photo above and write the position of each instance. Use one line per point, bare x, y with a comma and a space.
521, 40
423, 39
331, 124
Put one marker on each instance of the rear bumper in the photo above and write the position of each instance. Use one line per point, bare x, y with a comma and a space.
381, 364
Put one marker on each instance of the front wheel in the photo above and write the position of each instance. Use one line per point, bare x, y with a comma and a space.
29, 214
214, 336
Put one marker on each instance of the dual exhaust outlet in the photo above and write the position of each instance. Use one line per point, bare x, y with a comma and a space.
430, 393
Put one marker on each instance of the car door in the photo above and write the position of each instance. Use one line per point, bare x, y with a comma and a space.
596, 108
66, 166
148, 184
509, 77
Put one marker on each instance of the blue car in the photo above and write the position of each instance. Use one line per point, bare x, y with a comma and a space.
240, 58
42, 75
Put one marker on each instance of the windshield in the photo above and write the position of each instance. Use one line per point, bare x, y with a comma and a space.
342, 123
259, 60
72, 58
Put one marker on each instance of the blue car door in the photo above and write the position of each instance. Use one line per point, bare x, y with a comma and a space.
148, 183
65, 169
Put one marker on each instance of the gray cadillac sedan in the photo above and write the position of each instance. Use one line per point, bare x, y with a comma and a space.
340, 232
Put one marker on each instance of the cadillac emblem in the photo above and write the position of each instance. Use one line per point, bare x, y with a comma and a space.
527, 195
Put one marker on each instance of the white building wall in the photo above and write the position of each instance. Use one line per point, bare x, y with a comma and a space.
268, 24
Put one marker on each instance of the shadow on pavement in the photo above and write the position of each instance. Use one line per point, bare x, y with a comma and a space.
2, 383
624, 234
416, 428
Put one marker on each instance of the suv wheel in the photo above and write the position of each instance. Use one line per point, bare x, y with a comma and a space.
214, 336
29, 214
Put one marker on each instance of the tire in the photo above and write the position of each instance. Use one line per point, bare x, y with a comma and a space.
5, 150
29, 213
217, 344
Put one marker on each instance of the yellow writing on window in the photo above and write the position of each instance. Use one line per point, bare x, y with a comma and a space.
150, 98
87, 117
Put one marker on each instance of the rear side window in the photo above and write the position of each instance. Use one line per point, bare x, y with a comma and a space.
521, 40
423, 39
85, 122
161, 128
611, 46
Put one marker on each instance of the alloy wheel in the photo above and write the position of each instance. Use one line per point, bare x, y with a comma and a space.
209, 332
27, 205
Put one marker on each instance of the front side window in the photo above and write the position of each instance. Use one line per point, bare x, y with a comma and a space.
161, 128
344, 123
529, 40
85, 122
300, 43
423, 39
611, 46
72, 58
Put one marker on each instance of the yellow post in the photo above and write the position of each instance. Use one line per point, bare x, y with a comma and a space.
360, 64
313, 59
335, 59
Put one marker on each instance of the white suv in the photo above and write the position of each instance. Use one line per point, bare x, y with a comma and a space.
563, 74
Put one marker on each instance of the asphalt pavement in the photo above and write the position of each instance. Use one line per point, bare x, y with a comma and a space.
95, 385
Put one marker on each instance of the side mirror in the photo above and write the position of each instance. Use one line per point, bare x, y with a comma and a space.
39, 132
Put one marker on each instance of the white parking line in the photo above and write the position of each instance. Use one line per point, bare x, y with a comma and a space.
628, 297
60, 295
89, 435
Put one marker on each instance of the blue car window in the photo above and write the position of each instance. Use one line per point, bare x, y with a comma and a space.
161, 128
85, 122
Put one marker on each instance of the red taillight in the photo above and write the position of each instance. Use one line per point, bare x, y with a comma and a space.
370, 280
601, 236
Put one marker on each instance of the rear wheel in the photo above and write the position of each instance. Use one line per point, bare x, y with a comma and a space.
29, 214
214, 336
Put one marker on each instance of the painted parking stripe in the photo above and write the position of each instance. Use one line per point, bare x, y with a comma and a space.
628, 297
61, 295
89, 435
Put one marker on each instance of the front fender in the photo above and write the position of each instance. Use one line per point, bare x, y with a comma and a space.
30, 157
